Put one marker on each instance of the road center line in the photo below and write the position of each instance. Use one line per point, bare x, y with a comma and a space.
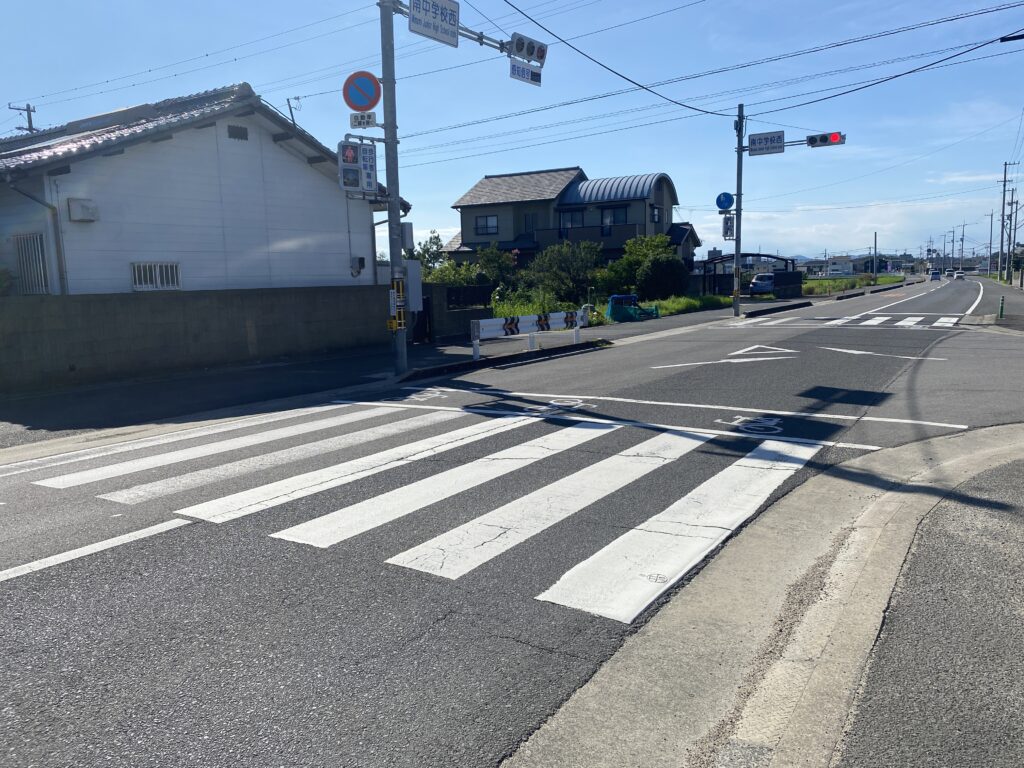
981, 292
712, 407
727, 360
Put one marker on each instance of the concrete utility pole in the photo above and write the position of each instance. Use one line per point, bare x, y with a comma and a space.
739, 212
963, 230
387, 82
1002, 226
1008, 225
991, 220
874, 262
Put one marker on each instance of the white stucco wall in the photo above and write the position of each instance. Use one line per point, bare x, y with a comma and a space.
231, 213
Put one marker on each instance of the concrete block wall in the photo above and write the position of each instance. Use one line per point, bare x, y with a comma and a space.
56, 341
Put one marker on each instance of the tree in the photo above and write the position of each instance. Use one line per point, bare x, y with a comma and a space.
499, 266
565, 270
662, 276
645, 246
449, 272
429, 252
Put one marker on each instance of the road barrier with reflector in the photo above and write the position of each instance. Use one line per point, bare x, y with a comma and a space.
501, 327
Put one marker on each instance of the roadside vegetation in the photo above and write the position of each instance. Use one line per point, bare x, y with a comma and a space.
566, 276
822, 286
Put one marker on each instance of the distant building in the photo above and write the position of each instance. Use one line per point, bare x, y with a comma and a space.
527, 212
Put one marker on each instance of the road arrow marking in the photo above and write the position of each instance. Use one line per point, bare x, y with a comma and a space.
715, 362
879, 354
761, 349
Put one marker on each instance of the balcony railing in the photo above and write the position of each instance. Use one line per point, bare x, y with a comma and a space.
610, 237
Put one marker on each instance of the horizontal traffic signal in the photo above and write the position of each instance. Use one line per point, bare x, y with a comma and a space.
826, 139
523, 47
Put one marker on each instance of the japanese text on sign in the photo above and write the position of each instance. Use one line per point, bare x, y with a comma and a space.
436, 19
767, 143
528, 73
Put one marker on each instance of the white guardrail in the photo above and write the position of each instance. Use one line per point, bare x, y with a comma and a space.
500, 327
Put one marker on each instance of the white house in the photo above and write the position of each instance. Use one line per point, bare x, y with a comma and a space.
212, 191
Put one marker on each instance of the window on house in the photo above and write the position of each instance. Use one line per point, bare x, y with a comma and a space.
32, 263
486, 225
239, 132
529, 222
656, 214
569, 219
156, 276
610, 217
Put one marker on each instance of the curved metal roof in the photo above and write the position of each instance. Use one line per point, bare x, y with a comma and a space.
614, 189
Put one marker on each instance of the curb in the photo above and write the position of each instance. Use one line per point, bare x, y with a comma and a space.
783, 308
850, 295
757, 661
491, 362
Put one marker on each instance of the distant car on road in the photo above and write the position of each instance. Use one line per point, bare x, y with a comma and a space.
958, 275
950, 272
763, 283
935, 275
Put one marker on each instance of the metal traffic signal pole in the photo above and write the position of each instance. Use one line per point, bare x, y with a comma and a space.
387, 82
739, 212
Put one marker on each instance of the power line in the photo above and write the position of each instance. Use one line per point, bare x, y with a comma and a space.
886, 79
486, 18
196, 58
615, 71
721, 70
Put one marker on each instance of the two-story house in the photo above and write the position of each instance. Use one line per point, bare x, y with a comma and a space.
527, 212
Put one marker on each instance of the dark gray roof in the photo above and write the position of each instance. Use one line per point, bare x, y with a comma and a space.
677, 233
103, 132
520, 187
614, 189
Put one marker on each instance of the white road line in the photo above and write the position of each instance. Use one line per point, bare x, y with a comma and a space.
751, 321
167, 486
909, 321
727, 360
760, 349
875, 321
459, 551
893, 304
840, 321
74, 554
981, 292
191, 433
946, 322
335, 527
879, 354
713, 407
273, 494
779, 322
207, 449
623, 578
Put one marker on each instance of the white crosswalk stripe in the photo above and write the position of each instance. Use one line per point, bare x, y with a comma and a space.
854, 321
345, 523
462, 549
875, 321
618, 582
909, 321
207, 449
621, 580
158, 488
947, 322
270, 495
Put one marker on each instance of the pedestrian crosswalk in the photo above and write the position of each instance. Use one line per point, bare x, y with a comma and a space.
456, 453
920, 321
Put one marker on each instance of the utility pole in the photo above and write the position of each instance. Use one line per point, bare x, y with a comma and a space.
991, 220
1002, 225
874, 262
387, 81
943, 262
291, 113
29, 110
739, 212
963, 229
1008, 217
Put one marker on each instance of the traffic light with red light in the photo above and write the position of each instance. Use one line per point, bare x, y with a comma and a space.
523, 47
826, 139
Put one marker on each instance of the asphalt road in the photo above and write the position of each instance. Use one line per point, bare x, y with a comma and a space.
422, 577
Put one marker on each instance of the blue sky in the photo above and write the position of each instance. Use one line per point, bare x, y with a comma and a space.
924, 153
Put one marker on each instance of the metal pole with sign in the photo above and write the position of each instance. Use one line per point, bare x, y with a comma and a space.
739, 213
387, 81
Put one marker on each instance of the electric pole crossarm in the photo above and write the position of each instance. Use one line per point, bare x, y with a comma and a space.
477, 37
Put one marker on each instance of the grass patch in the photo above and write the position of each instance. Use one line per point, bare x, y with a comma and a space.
829, 285
678, 305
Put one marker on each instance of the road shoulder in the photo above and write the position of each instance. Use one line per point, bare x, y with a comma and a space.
758, 659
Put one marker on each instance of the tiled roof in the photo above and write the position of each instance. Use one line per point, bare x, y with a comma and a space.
520, 187
91, 134
455, 244
677, 233
613, 189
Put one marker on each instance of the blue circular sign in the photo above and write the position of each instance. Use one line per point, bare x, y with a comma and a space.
724, 201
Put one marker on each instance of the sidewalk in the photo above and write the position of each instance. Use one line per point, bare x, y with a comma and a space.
760, 659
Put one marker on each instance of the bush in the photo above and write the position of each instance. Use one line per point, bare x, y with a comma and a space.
662, 276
